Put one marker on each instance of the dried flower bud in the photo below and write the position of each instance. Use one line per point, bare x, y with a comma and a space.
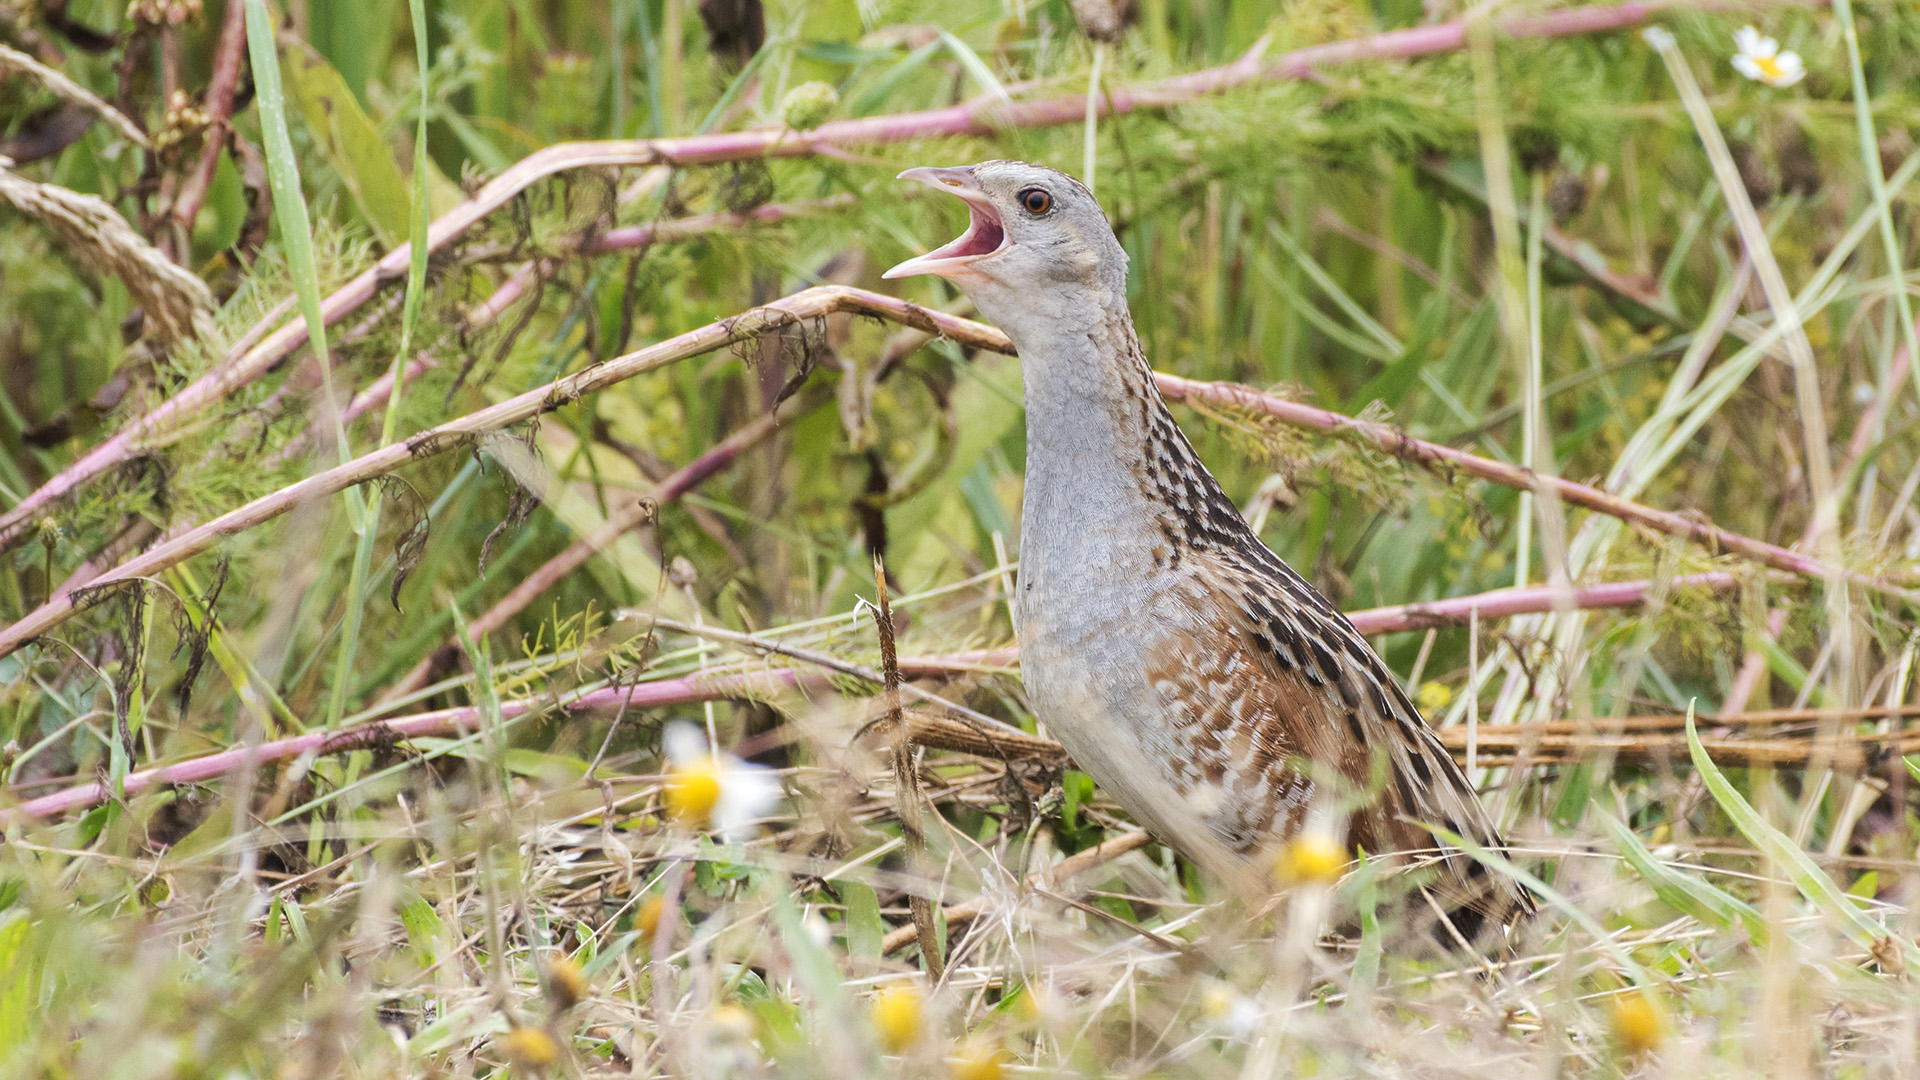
565, 984
681, 572
530, 1049
163, 12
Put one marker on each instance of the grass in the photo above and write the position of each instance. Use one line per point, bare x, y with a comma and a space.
1514, 243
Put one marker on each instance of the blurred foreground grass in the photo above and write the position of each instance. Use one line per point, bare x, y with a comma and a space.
1520, 248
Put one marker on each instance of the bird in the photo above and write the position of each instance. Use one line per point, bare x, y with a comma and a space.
1203, 684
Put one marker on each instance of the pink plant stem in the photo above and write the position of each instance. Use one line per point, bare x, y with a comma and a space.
1391, 440
1526, 600
633, 236
219, 103
765, 683
442, 722
834, 299
484, 313
979, 118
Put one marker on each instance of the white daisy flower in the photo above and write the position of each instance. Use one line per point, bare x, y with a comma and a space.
1762, 60
1236, 1015
713, 791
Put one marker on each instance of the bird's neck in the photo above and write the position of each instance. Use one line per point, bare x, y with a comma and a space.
1089, 390
1101, 444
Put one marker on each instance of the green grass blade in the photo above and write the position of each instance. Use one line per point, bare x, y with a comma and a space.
1813, 882
289, 204
1501, 865
410, 318
1876, 182
1684, 893
976, 67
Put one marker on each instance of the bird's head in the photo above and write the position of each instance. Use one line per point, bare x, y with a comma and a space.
1034, 234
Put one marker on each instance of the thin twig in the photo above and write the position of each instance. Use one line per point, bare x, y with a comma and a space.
221, 89
906, 780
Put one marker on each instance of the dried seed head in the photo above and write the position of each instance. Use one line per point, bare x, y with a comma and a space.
530, 1049
681, 572
566, 986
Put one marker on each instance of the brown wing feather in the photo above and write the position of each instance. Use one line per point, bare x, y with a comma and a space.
1285, 675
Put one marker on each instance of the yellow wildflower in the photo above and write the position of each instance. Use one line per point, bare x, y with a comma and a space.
1313, 857
1639, 1024
897, 1015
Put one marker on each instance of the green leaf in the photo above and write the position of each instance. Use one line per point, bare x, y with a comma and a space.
16, 984
1866, 886
1812, 881
423, 929
813, 968
865, 928
1683, 892
975, 66
351, 141
1077, 787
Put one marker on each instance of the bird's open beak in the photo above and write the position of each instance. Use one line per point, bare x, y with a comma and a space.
985, 234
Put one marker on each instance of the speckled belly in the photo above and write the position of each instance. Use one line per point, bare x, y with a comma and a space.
1162, 725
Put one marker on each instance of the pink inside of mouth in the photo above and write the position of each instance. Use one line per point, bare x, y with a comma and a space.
983, 237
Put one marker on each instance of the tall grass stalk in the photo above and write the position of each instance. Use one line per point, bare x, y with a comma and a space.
369, 532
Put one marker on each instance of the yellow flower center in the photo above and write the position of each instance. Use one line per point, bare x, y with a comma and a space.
693, 792
1637, 1022
1311, 858
896, 1014
1217, 1002
1769, 66
531, 1049
647, 919
978, 1058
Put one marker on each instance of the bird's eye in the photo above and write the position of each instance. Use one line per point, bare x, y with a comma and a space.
1036, 201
